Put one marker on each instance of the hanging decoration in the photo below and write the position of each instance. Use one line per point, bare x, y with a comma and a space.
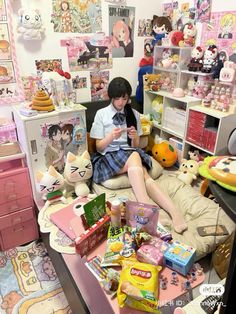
30, 25
11, 87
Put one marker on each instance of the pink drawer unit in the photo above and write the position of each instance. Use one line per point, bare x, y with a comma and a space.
15, 205
18, 228
14, 185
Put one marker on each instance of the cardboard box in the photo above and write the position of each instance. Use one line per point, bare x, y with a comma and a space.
179, 257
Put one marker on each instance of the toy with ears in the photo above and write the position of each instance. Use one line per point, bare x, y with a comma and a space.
30, 24
161, 26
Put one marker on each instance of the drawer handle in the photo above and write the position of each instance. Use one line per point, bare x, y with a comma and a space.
18, 229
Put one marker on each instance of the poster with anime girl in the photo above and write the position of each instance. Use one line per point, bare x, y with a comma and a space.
99, 85
203, 10
76, 16
121, 28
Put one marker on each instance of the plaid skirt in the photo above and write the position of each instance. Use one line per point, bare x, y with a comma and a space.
108, 165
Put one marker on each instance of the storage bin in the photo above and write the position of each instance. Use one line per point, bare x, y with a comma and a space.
7, 131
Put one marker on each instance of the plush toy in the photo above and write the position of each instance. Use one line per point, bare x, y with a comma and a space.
30, 24
58, 75
50, 184
152, 82
196, 59
164, 153
189, 32
195, 155
141, 72
157, 105
78, 170
161, 26
188, 171
209, 59
176, 37
221, 169
146, 124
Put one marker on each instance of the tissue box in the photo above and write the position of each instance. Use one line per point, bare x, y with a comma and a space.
179, 257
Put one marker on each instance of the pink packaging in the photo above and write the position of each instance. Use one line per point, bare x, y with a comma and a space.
150, 254
142, 216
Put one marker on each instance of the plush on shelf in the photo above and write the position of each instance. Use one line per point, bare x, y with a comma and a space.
50, 184
188, 171
209, 58
189, 34
196, 59
161, 26
78, 170
164, 153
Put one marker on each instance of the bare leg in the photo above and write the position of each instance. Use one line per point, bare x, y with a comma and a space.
134, 169
165, 202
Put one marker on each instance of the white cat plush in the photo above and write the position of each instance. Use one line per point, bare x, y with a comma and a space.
50, 184
78, 169
30, 24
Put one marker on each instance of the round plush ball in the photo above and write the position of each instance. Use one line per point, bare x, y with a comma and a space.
177, 37
164, 153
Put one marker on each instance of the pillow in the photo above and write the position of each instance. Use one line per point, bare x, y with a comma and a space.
122, 181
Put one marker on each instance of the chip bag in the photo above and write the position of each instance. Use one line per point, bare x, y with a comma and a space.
120, 246
142, 216
138, 287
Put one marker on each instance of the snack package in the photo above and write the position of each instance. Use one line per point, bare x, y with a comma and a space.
138, 287
142, 216
120, 245
150, 254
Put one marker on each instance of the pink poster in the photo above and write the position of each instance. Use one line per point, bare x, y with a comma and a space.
203, 8
221, 31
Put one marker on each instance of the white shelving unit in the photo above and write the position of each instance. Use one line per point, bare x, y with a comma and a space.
222, 123
174, 116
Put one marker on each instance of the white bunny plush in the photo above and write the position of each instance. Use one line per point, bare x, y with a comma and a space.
30, 24
227, 73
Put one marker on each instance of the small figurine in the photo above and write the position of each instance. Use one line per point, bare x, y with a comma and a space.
209, 58
163, 282
196, 59
188, 171
161, 26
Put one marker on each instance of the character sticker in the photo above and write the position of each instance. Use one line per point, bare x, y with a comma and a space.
99, 85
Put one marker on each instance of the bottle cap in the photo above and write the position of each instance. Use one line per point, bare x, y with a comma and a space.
116, 203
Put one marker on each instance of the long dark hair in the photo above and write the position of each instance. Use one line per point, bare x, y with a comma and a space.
120, 87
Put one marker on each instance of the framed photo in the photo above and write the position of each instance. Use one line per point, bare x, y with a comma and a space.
11, 86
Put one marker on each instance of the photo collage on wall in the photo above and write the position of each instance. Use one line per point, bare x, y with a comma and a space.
10, 83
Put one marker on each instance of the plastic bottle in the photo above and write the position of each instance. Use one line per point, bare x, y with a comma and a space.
116, 213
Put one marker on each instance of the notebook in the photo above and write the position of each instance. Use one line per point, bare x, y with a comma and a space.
63, 217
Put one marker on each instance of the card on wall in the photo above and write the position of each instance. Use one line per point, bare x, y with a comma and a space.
11, 87
99, 85
203, 10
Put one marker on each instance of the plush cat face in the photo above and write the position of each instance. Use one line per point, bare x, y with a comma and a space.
78, 168
49, 181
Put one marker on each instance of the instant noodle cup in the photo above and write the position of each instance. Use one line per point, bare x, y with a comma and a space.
143, 217
138, 287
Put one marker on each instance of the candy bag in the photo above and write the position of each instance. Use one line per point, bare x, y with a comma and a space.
138, 287
142, 216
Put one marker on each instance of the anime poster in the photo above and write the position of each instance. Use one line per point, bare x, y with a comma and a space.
99, 84
30, 85
121, 28
89, 52
3, 13
203, 10
77, 16
221, 31
61, 138
145, 27
47, 65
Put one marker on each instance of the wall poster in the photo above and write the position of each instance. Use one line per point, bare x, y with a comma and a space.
221, 31
77, 16
11, 87
121, 28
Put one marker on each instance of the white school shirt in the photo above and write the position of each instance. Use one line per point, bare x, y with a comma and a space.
103, 124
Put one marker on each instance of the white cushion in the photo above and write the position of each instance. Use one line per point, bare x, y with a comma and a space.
122, 181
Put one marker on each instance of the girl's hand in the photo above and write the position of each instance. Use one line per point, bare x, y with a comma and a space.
116, 133
132, 133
